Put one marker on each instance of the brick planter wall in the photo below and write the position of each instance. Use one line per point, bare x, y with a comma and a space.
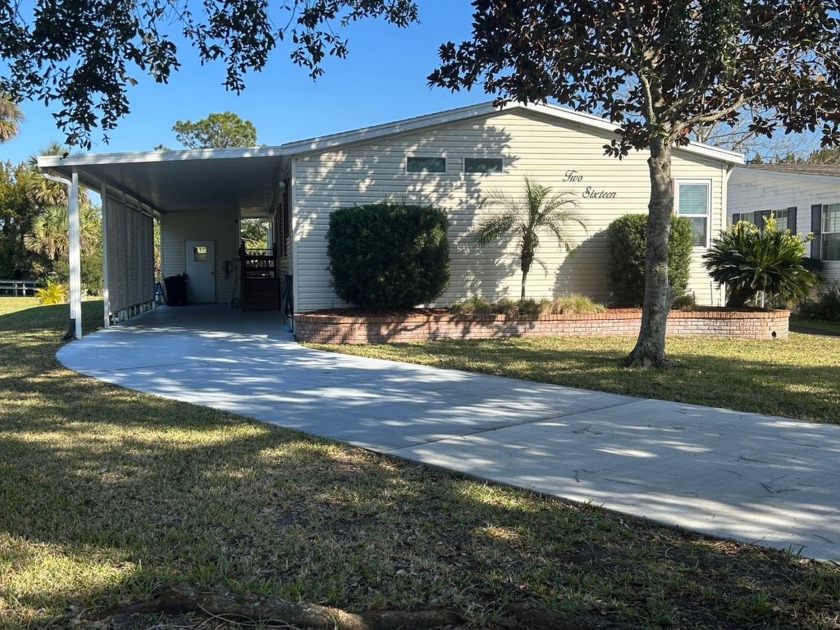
430, 325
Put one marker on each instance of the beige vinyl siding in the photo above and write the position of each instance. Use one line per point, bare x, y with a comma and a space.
544, 149
223, 228
751, 191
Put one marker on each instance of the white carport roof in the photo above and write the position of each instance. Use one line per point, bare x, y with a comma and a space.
206, 180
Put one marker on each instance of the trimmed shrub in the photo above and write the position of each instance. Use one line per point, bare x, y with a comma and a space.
388, 255
752, 262
626, 239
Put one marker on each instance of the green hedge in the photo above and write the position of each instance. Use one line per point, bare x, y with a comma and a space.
626, 238
388, 255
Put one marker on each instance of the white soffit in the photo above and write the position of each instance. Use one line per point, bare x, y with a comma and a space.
209, 180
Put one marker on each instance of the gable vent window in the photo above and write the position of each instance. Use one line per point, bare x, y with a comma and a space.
484, 165
425, 165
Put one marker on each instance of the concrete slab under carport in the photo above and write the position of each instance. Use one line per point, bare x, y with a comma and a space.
753, 478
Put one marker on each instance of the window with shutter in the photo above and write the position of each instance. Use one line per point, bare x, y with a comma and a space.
831, 231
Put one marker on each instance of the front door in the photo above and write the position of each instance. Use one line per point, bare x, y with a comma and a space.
201, 271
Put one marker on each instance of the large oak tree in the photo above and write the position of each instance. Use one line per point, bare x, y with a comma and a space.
660, 71
85, 54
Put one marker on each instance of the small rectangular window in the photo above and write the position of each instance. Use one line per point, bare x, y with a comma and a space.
483, 165
693, 201
425, 165
199, 254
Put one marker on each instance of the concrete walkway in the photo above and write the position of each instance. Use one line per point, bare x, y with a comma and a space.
753, 478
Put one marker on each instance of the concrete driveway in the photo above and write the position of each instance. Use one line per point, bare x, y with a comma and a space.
758, 479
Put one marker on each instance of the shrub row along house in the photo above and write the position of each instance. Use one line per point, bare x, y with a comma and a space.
451, 160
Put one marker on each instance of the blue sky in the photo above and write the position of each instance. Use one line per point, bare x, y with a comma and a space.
383, 79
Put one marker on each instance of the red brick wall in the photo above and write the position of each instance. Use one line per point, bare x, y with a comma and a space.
320, 328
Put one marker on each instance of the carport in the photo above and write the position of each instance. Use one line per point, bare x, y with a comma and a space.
191, 189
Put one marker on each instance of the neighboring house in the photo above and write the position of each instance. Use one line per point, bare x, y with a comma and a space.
451, 160
803, 197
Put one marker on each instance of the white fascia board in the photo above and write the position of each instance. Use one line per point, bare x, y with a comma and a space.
49, 162
367, 134
768, 174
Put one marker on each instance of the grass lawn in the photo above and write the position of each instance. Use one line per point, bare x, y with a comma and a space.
798, 377
816, 325
108, 497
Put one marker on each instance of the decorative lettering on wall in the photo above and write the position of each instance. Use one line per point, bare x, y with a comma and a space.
572, 176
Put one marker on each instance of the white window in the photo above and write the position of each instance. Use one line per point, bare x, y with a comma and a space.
483, 165
692, 199
425, 165
831, 231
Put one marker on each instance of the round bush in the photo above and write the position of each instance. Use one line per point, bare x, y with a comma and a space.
626, 239
388, 255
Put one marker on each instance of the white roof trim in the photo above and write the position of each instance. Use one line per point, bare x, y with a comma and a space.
368, 134
814, 177
146, 157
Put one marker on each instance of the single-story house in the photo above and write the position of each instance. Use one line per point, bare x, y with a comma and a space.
803, 197
452, 160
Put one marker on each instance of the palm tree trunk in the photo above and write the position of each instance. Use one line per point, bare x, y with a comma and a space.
650, 346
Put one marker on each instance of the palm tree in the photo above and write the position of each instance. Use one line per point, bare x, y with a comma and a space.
45, 192
49, 233
537, 210
10, 118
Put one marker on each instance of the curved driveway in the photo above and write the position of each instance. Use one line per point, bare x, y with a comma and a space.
759, 479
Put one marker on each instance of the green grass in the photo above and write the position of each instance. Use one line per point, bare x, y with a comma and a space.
816, 325
108, 496
798, 377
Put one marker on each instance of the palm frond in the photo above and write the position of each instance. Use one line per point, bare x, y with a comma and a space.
494, 227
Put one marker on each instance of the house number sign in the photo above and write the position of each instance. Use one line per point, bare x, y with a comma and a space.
589, 192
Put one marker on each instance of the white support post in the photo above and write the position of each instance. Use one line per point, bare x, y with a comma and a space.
75, 254
106, 296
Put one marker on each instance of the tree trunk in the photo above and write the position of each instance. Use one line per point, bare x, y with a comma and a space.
526, 258
650, 346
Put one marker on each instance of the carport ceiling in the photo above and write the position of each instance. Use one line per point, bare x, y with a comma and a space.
210, 180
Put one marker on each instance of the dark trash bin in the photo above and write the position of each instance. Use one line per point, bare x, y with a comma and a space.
176, 290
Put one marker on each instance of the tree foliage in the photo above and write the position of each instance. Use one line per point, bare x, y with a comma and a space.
225, 130
759, 263
34, 230
537, 210
10, 118
84, 55
661, 71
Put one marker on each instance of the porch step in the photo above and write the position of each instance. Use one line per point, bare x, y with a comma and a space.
261, 294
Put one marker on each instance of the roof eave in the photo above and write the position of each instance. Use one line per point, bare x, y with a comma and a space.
769, 174
369, 134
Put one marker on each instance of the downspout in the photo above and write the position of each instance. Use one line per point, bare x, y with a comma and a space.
725, 202
74, 330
